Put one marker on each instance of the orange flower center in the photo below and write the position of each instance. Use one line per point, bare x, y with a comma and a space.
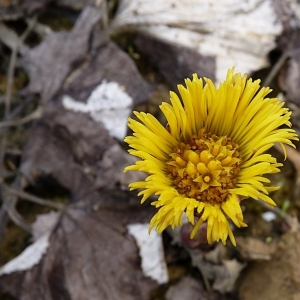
205, 167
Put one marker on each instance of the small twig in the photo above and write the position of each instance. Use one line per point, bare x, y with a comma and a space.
14, 98
3, 221
41, 29
9, 201
10, 75
12, 64
33, 116
9, 38
11, 70
32, 198
276, 69
278, 65
104, 8
9, 204
19, 109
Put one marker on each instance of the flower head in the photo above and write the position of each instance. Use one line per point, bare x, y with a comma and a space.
211, 154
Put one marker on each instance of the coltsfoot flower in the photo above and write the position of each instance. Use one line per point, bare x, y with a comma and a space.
211, 153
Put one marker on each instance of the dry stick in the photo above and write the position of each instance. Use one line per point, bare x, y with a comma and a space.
11, 70
10, 80
276, 69
19, 109
32, 198
103, 6
40, 29
3, 220
292, 154
34, 115
9, 201
278, 65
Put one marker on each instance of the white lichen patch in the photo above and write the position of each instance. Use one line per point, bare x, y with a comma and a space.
151, 252
30, 257
108, 103
237, 33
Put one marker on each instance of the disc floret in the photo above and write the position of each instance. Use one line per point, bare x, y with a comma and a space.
205, 167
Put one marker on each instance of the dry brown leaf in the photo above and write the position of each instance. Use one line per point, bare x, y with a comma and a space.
289, 43
49, 63
90, 255
175, 62
66, 147
188, 288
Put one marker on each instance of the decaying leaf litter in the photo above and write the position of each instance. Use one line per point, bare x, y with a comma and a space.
68, 83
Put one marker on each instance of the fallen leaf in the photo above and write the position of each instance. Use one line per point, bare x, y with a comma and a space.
49, 63
227, 275
89, 255
290, 73
108, 104
175, 62
214, 263
236, 33
188, 288
107, 68
44, 223
66, 147
29, 258
110, 169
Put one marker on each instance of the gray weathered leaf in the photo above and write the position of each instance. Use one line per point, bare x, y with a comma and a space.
67, 147
175, 62
49, 63
236, 33
290, 73
90, 255
188, 288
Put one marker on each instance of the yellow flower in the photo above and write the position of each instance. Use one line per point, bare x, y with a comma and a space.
211, 154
